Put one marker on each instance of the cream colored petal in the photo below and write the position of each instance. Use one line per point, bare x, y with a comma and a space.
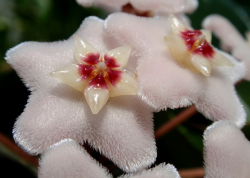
96, 98
202, 64
176, 24
121, 56
177, 47
69, 75
219, 60
82, 48
126, 86
207, 34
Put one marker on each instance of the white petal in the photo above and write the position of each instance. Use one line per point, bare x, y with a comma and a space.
177, 47
96, 98
68, 159
82, 48
121, 55
202, 64
176, 24
126, 86
224, 30
69, 75
160, 171
220, 60
227, 151
207, 34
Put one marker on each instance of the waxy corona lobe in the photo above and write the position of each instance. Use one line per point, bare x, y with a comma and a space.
98, 77
193, 48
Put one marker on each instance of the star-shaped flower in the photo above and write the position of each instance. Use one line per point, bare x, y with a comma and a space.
226, 151
156, 6
122, 130
98, 77
231, 39
68, 159
193, 48
164, 83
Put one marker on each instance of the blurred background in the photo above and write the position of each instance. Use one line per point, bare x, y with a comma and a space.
53, 20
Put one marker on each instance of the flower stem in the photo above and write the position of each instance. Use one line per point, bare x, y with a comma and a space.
177, 120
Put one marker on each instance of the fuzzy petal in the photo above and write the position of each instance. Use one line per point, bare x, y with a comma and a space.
68, 159
164, 83
224, 30
159, 5
160, 171
227, 151
122, 130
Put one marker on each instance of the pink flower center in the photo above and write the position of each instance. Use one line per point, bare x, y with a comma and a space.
197, 44
98, 73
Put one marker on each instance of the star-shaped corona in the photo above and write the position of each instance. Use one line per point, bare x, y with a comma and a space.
193, 48
98, 76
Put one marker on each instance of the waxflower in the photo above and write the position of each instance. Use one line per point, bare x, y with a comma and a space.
231, 39
164, 83
156, 6
193, 48
122, 130
226, 151
68, 159
98, 77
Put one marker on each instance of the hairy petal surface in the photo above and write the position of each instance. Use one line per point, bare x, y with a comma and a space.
164, 83
224, 30
160, 171
122, 130
68, 159
227, 151
231, 39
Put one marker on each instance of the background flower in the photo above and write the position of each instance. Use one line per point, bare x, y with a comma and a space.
156, 6
163, 83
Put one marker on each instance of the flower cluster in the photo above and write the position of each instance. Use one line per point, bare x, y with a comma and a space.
103, 84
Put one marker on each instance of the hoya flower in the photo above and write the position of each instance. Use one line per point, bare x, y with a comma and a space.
122, 130
231, 39
227, 151
98, 77
68, 159
193, 48
164, 83
156, 6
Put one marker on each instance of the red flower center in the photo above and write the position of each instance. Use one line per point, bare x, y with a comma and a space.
197, 44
